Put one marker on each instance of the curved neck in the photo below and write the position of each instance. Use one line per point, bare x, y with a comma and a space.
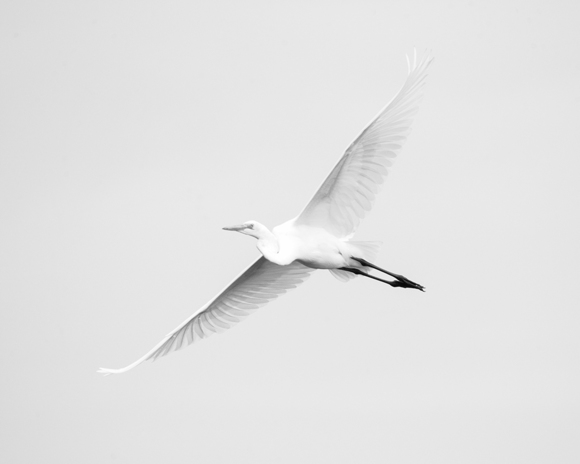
270, 247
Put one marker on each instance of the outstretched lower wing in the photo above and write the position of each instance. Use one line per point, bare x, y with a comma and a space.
257, 285
349, 191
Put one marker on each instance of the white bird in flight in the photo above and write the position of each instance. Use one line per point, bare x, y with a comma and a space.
319, 237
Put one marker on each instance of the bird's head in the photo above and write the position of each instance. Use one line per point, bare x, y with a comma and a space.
252, 228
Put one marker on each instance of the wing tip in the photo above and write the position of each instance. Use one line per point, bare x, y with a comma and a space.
105, 371
425, 61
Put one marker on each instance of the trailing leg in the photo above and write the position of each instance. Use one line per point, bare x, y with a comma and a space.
392, 283
400, 278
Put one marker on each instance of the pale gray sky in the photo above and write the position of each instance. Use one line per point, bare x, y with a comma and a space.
131, 132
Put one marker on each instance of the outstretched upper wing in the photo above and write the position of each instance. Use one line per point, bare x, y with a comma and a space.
349, 191
261, 282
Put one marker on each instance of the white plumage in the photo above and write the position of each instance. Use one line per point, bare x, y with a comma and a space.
318, 238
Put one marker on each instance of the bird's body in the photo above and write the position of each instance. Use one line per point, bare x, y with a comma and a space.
314, 247
320, 236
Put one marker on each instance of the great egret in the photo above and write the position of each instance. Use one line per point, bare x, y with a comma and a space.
319, 237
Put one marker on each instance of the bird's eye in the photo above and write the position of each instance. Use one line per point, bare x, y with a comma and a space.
251, 226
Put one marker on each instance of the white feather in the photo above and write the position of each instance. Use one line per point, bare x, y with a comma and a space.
260, 283
349, 191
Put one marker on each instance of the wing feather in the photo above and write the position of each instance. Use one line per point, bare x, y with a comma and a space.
260, 283
350, 189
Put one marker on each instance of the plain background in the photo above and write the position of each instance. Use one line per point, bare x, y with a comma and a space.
131, 132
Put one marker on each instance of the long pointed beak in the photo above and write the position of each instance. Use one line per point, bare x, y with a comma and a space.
236, 228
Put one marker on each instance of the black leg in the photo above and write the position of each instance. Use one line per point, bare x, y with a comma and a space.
400, 278
392, 283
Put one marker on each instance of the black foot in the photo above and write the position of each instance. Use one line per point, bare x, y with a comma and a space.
407, 284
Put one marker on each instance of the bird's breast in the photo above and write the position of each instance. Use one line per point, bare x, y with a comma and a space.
311, 246
321, 256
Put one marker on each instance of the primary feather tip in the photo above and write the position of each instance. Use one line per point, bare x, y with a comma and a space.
105, 371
